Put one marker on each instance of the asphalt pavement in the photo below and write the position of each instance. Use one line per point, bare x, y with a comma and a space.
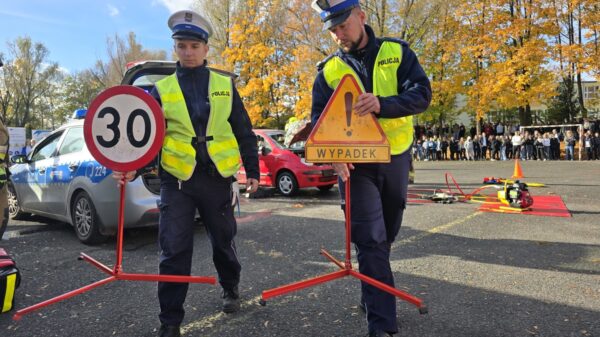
480, 273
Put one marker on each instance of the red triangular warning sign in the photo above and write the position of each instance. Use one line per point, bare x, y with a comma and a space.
342, 136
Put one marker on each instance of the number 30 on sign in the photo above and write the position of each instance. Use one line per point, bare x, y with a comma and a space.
124, 128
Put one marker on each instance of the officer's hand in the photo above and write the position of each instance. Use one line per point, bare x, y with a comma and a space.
343, 170
251, 185
366, 104
120, 175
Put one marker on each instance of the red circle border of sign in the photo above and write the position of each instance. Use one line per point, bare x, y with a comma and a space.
158, 117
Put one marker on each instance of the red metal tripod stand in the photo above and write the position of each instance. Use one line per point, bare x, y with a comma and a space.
117, 272
345, 270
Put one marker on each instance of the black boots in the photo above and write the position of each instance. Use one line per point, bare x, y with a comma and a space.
169, 331
231, 300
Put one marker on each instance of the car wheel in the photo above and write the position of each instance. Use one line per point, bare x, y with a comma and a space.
14, 209
85, 220
325, 188
287, 184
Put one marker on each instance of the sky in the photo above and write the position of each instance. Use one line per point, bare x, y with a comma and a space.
75, 31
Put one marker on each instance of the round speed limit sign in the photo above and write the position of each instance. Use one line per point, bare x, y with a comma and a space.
124, 128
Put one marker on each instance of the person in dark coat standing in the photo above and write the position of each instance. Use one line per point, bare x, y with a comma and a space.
208, 135
3, 178
378, 190
3, 175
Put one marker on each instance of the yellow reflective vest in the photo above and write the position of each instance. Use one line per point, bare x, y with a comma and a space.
399, 131
178, 156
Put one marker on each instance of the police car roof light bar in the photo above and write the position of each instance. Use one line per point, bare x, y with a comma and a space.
79, 114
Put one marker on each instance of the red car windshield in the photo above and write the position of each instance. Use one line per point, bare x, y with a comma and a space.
278, 138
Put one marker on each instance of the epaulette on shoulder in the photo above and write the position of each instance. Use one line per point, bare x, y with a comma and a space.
392, 39
224, 72
321, 63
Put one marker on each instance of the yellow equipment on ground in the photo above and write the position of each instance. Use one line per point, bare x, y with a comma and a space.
515, 195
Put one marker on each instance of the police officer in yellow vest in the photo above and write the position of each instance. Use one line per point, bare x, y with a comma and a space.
396, 88
3, 178
208, 136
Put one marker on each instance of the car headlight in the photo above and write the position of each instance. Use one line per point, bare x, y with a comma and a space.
324, 173
312, 172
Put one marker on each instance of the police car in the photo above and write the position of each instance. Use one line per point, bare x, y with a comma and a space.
59, 179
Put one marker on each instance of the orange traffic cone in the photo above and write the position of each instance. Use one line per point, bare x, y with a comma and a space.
518, 173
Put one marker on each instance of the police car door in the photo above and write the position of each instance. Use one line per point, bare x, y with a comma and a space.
34, 193
68, 160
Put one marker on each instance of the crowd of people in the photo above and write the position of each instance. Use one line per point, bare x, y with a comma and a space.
499, 142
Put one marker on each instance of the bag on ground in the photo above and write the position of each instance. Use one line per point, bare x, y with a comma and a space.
10, 278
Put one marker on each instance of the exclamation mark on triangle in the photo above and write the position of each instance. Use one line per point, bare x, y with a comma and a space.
348, 100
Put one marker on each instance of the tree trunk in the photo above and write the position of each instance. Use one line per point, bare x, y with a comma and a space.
572, 107
580, 95
579, 86
525, 115
383, 13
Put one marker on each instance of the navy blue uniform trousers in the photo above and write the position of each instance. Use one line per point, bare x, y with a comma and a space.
377, 199
211, 194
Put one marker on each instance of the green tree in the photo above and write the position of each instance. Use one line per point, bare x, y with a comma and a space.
49, 113
121, 51
77, 91
6, 96
564, 107
220, 17
27, 78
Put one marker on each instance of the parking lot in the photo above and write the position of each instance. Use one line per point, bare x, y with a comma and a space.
480, 274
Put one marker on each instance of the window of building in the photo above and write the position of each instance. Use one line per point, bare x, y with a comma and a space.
591, 92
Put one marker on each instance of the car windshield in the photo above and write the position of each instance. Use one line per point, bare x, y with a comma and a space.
299, 145
278, 138
148, 80
73, 141
47, 148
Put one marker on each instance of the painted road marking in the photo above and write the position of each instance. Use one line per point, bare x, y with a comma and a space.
210, 321
436, 230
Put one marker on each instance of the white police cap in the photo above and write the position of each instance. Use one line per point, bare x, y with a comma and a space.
334, 12
189, 25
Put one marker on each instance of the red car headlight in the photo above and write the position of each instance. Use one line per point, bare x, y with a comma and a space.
324, 173
312, 172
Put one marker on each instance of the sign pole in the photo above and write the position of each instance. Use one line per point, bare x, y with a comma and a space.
118, 263
346, 269
348, 225
121, 154
324, 145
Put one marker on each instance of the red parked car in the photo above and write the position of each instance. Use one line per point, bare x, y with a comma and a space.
285, 168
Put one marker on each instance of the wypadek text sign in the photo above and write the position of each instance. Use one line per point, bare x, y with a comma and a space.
342, 136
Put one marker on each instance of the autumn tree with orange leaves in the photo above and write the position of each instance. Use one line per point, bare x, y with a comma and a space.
502, 55
274, 47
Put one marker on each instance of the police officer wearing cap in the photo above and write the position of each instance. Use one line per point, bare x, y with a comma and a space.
208, 135
396, 88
